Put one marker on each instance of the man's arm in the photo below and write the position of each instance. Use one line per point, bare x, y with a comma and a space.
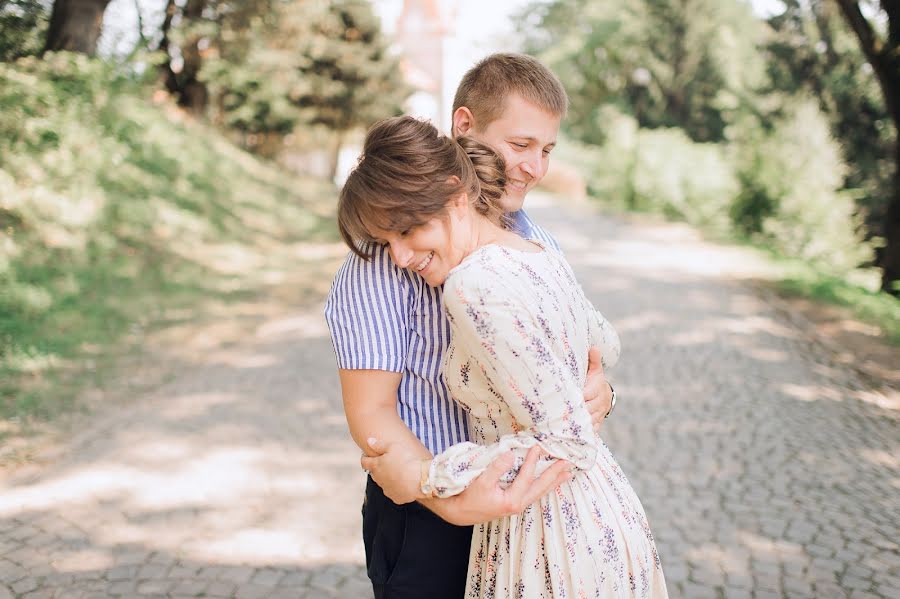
597, 392
370, 406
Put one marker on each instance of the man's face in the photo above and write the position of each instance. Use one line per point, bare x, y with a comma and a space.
524, 135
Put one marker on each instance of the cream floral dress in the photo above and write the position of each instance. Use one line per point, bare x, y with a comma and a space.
521, 329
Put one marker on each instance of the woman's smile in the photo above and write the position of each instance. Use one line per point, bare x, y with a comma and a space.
421, 266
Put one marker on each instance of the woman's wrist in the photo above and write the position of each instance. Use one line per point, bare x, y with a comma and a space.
426, 489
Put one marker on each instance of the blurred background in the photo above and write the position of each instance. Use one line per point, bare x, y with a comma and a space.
169, 171
156, 154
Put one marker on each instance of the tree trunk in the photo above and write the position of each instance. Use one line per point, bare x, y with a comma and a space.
75, 25
193, 94
889, 256
184, 84
884, 56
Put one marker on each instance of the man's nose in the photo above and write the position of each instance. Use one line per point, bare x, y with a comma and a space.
532, 165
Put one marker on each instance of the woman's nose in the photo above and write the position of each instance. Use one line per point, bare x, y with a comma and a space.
402, 256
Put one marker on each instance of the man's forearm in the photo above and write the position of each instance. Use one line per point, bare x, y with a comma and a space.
385, 424
370, 406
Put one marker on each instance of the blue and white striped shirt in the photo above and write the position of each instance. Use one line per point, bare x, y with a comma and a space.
383, 317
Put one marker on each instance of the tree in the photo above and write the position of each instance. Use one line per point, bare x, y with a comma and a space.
348, 78
23, 28
181, 70
194, 30
306, 63
883, 53
75, 25
811, 51
654, 58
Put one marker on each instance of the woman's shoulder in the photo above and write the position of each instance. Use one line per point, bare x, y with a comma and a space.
494, 270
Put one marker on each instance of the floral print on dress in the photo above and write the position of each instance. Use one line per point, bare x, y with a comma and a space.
521, 328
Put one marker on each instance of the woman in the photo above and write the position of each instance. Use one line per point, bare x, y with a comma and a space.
521, 328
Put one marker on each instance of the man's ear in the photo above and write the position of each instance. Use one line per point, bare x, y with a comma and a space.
463, 121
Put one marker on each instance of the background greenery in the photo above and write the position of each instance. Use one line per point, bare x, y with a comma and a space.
131, 184
777, 131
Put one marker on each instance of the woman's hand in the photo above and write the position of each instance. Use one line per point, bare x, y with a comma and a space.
396, 467
486, 499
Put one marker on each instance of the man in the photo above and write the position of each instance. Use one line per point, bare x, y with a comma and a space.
389, 332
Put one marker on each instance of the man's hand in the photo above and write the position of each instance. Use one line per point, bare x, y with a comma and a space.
597, 392
485, 500
396, 468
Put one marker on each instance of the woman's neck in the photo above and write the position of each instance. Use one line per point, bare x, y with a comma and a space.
486, 232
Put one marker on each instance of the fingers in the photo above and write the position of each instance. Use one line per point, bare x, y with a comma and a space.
595, 360
597, 420
526, 473
378, 449
555, 475
595, 381
498, 468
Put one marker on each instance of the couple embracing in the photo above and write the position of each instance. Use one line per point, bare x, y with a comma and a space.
472, 365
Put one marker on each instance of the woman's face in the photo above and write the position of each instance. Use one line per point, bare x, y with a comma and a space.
433, 249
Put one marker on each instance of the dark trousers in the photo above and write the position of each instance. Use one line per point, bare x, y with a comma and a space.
410, 552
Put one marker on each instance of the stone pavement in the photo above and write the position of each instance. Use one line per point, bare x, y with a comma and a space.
765, 469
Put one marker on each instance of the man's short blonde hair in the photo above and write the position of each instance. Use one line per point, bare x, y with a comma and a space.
485, 87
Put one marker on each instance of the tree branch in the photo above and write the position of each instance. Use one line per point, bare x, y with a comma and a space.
869, 42
880, 55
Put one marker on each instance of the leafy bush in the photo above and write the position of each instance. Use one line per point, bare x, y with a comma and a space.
23, 28
792, 196
683, 179
659, 170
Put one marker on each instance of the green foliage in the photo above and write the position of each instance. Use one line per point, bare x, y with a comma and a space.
654, 59
252, 97
793, 195
348, 77
812, 52
312, 63
683, 179
657, 170
23, 28
857, 290
113, 213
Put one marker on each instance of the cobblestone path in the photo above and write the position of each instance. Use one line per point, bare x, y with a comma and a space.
766, 470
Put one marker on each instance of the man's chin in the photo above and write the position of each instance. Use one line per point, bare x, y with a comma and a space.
513, 200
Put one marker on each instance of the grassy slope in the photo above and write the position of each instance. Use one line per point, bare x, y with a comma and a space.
116, 215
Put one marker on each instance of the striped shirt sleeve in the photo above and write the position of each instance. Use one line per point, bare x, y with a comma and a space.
531, 230
367, 312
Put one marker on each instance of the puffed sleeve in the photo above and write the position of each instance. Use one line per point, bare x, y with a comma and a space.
605, 337
524, 371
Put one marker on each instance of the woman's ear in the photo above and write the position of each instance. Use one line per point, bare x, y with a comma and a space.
463, 121
458, 205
